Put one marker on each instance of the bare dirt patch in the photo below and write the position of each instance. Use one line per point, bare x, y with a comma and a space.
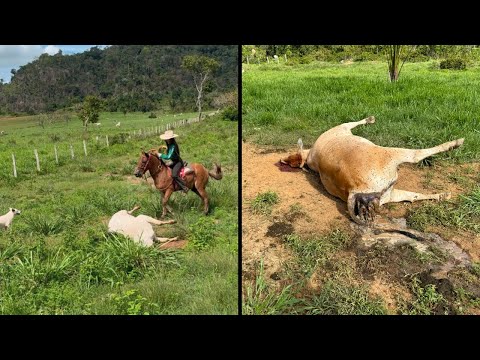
137, 181
179, 244
389, 292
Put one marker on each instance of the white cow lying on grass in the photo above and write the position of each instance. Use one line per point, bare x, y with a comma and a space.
6, 220
98, 124
138, 228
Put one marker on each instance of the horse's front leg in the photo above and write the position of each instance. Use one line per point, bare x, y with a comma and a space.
166, 196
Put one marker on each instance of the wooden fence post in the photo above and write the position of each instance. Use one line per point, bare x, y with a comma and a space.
14, 166
106, 137
85, 147
36, 158
56, 154
71, 152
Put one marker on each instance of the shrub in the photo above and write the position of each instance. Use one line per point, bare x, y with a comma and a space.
229, 99
130, 303
55, 137
453, 64
152, 115
230, 113
120, 138
306, 59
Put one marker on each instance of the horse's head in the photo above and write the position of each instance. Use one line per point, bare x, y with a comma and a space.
143, 164
146, 161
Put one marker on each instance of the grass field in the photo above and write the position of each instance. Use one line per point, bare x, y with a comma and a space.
425, 108
58, 257
325, 273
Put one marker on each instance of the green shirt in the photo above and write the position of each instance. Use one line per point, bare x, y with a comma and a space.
172, 154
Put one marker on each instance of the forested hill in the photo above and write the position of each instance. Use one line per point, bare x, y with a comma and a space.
128, 77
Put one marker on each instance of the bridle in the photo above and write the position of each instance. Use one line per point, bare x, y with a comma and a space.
144, 167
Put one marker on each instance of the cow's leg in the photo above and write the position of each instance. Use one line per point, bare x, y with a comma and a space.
159, 239
155, 221
134, 209
414, 156
351, 125
401, 195
363, 206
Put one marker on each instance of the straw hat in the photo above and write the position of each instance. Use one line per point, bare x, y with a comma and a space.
168, 135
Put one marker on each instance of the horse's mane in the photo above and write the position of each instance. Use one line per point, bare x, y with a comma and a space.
150, 152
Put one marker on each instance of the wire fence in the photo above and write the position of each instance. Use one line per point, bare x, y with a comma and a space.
58, 150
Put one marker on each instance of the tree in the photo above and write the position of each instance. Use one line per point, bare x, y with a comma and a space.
201, 66
394, 53
89, 111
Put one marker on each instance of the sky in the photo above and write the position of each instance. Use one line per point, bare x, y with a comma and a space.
14, 56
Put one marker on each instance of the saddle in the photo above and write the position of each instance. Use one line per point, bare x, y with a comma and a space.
184, 171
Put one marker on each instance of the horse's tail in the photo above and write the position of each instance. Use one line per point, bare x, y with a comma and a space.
216, 173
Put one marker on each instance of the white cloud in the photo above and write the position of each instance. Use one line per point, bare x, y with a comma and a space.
51, 50
16, 55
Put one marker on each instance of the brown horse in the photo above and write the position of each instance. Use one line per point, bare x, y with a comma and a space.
195, 179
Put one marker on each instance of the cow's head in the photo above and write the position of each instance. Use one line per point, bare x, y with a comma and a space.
296, 160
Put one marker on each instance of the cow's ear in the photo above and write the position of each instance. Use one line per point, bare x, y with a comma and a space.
300, 145
146, 154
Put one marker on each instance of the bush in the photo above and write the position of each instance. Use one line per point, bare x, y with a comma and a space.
306, 59
55, 137
453, 64
230, 113
229, 99
152, 115
120, 138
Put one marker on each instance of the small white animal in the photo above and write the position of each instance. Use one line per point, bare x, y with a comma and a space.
6, 220
98, 124
118, 124
137, 228
2, 132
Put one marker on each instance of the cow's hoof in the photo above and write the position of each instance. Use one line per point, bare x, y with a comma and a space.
444, 196
370, 120
366, 205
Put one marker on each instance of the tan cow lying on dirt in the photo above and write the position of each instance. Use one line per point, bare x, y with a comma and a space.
138, 228
361, 173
